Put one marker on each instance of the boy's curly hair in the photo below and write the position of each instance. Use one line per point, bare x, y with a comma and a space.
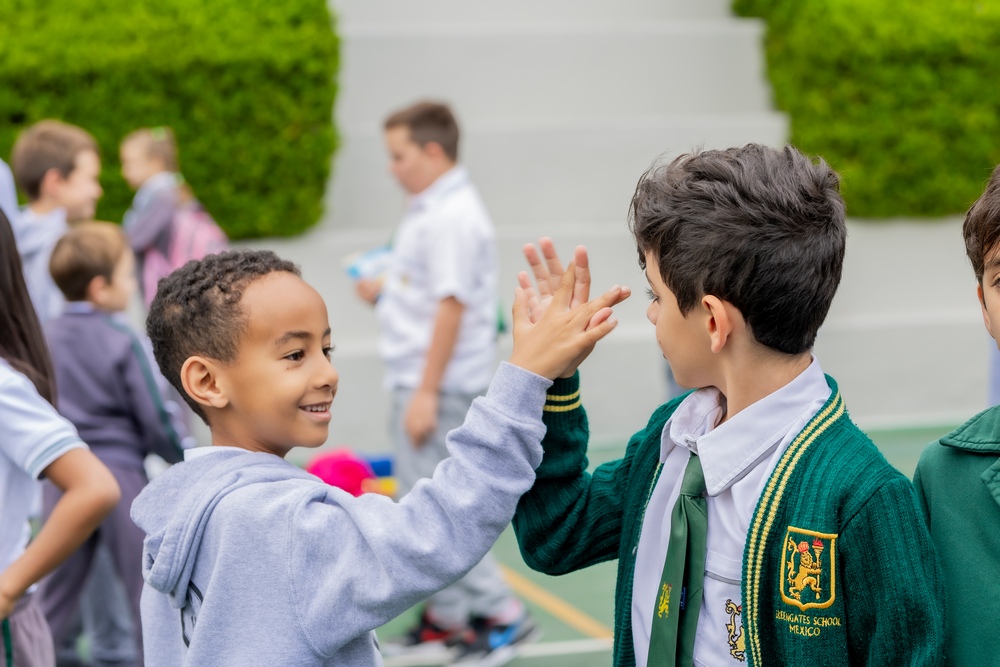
197, 310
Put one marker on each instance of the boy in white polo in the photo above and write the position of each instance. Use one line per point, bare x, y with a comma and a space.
437, 309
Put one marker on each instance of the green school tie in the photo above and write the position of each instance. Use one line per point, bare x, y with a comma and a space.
678, 601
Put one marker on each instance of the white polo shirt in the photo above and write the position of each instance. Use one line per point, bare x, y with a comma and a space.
32, 436
444, 247
737, 457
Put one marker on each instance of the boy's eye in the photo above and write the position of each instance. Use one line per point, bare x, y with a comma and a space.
295, 356
649, 293
327, 351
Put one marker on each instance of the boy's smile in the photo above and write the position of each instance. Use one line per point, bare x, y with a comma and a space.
278, 390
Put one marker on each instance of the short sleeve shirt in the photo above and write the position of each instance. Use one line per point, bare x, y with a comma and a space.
32, 436
445, 247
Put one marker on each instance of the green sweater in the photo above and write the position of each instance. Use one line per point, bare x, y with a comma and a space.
958, 484
874, 598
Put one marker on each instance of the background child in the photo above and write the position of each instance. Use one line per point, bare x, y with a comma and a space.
438, 319
269, 565
8, 193
750, 518
166, 225
958, 477
36, 442
57, 166
108, 391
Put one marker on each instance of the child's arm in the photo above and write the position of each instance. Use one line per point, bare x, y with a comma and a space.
364, 561
421, 414
89, 493
572, 519
894, 588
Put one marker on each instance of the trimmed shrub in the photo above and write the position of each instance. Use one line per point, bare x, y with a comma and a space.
247, 86
901, 98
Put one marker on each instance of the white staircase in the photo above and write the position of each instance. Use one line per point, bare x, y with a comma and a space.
563, 104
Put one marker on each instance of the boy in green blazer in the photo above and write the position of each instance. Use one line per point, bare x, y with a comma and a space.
752, 521
958, 477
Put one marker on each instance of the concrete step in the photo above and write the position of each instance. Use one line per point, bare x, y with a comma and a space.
539, 172
555, 70
352, 12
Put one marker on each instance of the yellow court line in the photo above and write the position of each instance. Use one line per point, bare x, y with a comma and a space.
556, 606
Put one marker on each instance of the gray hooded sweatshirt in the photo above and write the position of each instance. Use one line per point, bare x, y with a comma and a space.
36, 235
249, 560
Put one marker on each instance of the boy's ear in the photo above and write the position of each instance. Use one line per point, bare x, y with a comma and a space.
52, 179
435, 150
722, 320
986, 314
199, 377
95, 289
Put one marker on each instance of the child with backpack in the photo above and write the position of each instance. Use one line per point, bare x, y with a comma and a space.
166, 226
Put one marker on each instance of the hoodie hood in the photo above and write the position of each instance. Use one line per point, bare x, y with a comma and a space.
36, 233
174, 509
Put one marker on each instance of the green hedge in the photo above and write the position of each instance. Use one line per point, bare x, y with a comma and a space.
902, 98
247, 85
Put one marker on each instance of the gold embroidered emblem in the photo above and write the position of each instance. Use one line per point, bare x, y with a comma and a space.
663, 608
809, 577
737, 642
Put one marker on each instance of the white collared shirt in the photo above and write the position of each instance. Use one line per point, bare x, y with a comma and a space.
444, 248
737, 457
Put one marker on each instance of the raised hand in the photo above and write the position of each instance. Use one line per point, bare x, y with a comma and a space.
548, 274
563, 335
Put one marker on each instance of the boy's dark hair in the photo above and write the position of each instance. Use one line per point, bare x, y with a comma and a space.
759, 227
428, 121
157, 143
48, 144
22, 343
981, 229
87, 251
196, 310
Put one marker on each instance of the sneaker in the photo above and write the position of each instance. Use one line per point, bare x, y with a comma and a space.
426, 637
488, 644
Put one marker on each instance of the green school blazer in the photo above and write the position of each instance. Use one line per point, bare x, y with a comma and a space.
839, 568
958, 485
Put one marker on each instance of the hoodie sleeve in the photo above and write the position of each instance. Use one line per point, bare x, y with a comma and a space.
356, 563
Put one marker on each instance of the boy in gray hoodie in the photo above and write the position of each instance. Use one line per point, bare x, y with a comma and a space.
249, 560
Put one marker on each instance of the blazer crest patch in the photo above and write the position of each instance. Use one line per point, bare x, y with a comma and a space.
809, 569
737, 640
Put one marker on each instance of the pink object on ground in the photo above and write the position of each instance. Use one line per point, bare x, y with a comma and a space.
343, 469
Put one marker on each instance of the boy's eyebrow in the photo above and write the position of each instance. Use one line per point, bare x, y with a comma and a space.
300, 335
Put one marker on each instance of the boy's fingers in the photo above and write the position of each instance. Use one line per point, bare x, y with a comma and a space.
581, 288
519, 313
612, 297
551, 258
538, 268
600, 316
598, 332
564, 293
